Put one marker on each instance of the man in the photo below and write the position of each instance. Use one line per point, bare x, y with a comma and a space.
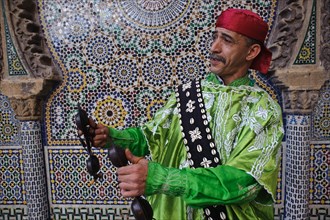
236, 177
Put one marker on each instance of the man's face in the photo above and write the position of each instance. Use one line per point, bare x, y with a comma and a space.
228, 54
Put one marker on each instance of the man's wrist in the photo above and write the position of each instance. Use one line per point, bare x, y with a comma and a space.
169, 181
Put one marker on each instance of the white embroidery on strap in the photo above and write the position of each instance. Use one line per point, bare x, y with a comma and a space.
186, 86
190, 106
206, 163
195, 134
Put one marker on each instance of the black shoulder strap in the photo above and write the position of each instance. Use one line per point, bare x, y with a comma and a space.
197, 137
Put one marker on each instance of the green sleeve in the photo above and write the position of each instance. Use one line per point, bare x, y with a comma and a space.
197, 186
131, 138
153, 133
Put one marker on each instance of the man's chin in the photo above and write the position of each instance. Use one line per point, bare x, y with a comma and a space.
215, 70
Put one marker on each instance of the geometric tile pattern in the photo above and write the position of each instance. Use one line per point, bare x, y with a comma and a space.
83, 213
279, 202
9, 125
12, 188
319, 213
278, 212
34, 170
15, 67
321, 115
280, 182
297, 166
121, 64
13, 213
307, 53
320, 174
70, 183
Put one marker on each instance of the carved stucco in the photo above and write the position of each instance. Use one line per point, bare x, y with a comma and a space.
23, 18
325, 35
29, 109
26, 96
284, 35
25, 93
299, 83
1, 55
300, 101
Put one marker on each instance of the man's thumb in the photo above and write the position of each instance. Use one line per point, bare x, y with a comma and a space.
130, 157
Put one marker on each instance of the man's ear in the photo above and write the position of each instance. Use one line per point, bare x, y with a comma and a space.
253, 52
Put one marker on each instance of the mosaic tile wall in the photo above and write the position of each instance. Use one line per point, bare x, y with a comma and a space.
9, 125
307, 52
12, 181
34, 169
297, 156
319, 170
321, 115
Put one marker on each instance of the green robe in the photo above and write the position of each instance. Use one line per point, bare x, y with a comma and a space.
247, 127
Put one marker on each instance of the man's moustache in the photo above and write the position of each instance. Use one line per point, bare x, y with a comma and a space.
217, 57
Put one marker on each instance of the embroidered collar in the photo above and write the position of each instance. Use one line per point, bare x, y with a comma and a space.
245, 80
242, 81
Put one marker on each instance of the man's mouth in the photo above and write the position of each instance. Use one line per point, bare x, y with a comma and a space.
214, 57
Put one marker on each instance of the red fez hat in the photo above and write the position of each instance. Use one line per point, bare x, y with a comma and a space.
251, 25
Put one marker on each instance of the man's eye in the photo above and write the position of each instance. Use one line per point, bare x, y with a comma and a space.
228, 40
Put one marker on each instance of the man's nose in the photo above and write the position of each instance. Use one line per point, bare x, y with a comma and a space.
216, 46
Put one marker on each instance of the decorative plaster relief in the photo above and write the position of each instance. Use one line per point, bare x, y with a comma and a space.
325, 35
289, 23
299, 101
26, 109
1, 56
23, 18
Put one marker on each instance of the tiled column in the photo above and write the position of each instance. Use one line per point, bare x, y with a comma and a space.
34, 171
297, 167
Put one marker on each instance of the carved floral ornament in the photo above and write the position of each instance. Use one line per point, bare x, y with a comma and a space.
301, 101
26, 109
325, 35
285, 34
25, 25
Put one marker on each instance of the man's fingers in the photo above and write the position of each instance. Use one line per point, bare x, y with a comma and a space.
92, 122
130, 157
130, 189
131, 170
99, 143
100, 130
91, 131
126, 193
100, 140
133, 177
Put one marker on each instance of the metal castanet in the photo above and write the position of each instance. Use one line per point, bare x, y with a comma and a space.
140, 207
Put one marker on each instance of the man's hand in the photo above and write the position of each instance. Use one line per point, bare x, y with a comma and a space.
99, 132
132, 178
